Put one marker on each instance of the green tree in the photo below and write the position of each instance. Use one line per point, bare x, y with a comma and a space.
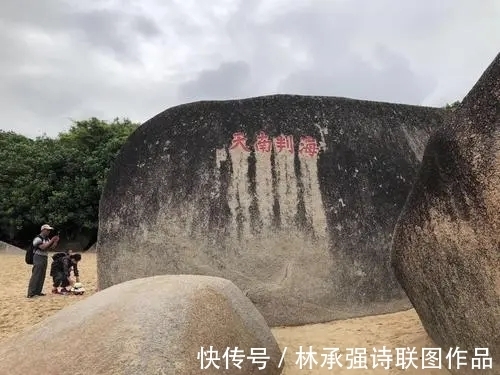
57, 180
18, 164
452, 106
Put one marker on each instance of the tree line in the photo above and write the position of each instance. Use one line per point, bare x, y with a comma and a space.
57, 180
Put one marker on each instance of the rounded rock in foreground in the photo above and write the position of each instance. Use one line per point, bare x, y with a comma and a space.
159, 325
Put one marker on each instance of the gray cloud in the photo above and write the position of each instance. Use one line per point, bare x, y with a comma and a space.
114, 30
348, 75
229, 80
59, 63
323, 34
63, 59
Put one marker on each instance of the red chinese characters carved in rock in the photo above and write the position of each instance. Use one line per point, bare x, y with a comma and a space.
308, 146
239, 141
263, 143
284, 143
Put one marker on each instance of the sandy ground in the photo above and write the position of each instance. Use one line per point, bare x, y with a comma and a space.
18, 312
400, 330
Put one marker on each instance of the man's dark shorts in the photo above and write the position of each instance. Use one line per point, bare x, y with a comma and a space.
60, 279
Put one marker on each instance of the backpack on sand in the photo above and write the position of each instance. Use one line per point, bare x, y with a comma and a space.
28, 258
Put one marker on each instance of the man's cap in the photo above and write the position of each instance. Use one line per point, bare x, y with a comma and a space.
46, 226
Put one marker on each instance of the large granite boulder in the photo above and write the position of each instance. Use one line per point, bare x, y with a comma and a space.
152, 326
293, 198
446, 250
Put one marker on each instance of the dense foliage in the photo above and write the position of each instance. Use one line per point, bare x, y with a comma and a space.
59, 180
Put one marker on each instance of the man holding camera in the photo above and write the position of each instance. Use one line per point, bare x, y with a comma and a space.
41, 244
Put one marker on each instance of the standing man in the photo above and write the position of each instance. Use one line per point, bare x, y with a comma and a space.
41, 245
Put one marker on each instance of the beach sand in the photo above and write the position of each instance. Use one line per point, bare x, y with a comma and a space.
399, 330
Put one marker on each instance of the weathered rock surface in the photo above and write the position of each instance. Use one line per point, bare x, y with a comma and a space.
446, 250
299, 215
148, 326
6, 248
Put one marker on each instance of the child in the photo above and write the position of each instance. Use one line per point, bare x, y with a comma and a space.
60, 271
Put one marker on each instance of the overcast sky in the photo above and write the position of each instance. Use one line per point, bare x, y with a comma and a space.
64, 60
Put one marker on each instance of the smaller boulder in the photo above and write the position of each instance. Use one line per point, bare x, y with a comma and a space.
175, 324
446, 244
